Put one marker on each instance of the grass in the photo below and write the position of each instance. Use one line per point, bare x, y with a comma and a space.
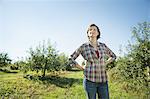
65, 85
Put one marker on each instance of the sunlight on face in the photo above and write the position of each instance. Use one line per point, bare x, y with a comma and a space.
92, 32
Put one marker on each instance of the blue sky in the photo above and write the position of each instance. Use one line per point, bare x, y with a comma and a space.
25, 23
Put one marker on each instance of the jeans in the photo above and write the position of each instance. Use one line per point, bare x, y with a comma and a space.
91, 88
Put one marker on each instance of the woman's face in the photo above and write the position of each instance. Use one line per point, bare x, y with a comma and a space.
92, 32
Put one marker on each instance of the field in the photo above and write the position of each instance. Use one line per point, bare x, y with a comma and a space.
62, 85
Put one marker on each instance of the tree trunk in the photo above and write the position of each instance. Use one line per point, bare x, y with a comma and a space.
45, 66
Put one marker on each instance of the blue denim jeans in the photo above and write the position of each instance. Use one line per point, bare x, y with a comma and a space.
93, 88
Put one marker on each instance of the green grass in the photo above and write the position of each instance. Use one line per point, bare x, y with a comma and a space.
66, 85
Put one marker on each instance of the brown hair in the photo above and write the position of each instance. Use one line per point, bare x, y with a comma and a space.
98, 36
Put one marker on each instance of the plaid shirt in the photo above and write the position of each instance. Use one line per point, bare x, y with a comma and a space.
95, 69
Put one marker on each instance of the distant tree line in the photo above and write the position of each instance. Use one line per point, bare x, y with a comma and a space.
44, 58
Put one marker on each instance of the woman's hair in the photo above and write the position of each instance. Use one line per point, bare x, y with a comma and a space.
98, 36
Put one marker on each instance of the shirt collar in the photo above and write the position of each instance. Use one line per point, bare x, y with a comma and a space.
98, 43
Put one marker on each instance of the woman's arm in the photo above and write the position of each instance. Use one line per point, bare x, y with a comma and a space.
73, 57
111, 55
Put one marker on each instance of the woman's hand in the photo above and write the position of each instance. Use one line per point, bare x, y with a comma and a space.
109, 61
80, 67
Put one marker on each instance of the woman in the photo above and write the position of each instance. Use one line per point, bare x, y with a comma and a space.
94, 52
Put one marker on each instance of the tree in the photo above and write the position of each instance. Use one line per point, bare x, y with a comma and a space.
46, 58
42, 58
4, 59
134, 67
140, 52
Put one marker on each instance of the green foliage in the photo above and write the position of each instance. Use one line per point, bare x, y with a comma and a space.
111, 65
134, 67
46, 58
4, 59
63, 62
139, 54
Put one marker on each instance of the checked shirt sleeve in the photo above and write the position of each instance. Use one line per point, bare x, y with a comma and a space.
75, 54
109, 52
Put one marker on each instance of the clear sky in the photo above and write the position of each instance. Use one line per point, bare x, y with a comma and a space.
25, 23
